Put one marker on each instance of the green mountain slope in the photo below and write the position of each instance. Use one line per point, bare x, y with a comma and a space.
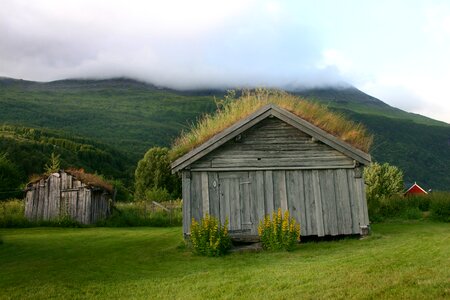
125, 114
30, 149
419, 145
131, 116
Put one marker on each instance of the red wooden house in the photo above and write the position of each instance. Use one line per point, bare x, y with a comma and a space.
414, 190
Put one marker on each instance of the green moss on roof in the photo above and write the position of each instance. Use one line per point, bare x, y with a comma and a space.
230, 111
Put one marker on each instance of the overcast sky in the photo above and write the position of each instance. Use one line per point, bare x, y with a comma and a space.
398, 51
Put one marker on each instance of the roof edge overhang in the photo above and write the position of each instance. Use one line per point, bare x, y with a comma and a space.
416, 185
264, 112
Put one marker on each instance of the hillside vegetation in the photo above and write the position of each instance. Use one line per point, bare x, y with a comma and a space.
131, 117
30, 149
127, 115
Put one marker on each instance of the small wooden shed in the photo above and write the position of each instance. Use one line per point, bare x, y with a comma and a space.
80, 196
274, 159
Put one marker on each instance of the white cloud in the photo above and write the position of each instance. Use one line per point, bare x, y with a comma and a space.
200, 43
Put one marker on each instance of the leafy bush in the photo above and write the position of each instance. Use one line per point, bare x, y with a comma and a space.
279, 232
440, 206
382, 181
157, 194
153, 174
209, 237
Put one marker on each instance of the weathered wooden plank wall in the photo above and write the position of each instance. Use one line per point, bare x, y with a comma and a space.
61, 195
325, 202
273, 144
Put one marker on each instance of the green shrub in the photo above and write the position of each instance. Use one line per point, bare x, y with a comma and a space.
398, 207
144, 214
209, 237
153, 173
12, 214
157, 194
440, 206
382, 182
412, 213
412, 207
280, 232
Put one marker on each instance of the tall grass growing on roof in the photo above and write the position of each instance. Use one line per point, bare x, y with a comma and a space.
231, 110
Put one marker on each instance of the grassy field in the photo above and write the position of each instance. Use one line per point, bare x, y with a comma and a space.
399, 260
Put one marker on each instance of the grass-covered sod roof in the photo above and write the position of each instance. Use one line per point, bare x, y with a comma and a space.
230, 111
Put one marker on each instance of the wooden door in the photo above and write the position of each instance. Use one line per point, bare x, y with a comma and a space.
234, 201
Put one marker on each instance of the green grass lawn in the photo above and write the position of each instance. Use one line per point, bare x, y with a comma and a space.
399, 260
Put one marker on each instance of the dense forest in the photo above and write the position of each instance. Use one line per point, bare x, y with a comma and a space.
106, 126
25, 151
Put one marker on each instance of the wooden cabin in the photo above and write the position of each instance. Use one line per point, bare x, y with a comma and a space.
415, 190
80, 196
274, 159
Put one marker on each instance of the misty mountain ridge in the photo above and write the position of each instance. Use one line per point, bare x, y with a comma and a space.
132, 116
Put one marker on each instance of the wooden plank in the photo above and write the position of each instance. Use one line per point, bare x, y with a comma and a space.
73, 198
364, 200
54, 197
245, 184
296, 198
353, 201
343, 202
276, 190
226, 190
70, 180
46, 199
196, 196
268, 193
244, 168
328, 197
63, 180
213, 182
205, 192
235, 204
310, 205
223, 193
257, 199
80, 204
50, 197
87, 208
282, 162
360, 199
36, 204
281, 187
276, 150
318, 203
40, 214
